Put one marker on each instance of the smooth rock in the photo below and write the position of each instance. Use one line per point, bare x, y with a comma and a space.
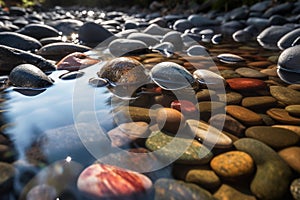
148, 39
250, 73
293, 110
182, 24
174, 189
291, 156
66, 26
206, 95
283, 116
42, 192
259, 102
210, 79
276, 138
19, 41
231, 98
107, 181
285, 95
7, 173
293, 128
155, 29
27, 75
201, 21
226, 192
181, 150
228, 73
197, 50
244, 115
231, 125
273, 175
120, 47
203, 177
126, 133
184, 106
92, 33
246, 84
230, 58
287, 40
269, 37
232, 165
39, 31
128, 114
72, 75
208, 134
170, 120
174, 38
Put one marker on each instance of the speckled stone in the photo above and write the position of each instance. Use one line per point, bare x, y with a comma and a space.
166, 189
232, 165
126, 114
295, 189
285, 95
181, 150
225, 192
273, 175
205, 95
244, 115
291, 156
208, 135
260, 102
283, 116
228, 74
107, 181
293, 110
231, 98
250, 73
246, 84
277, 138
204, 178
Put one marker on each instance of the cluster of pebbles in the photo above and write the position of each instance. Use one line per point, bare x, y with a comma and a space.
243, 142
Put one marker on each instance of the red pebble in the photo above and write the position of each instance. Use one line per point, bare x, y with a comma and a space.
183, 106
246, 84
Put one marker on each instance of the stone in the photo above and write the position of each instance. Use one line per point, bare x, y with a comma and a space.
295, 188
180, 150
20, 41
293, 110
231, 125
250, 73
232, 165
174, 189
132, 113
246, 84
155, 29
197, 50
27, 75
208, 134
273, 175
182, 24
120, 47
228, 74
276, 138
170, 120
269, 37
244, 115
148, 39
206, 95
184, 106
109, 182
226, 192
210, 79
90, 32
259, 102
126, 133
287, 40
208, 108
43, 191
291, 156
38, 31
285, 95
230, 58
204, 178
281, 115
174, 38
231, 98
201, 21
7, 173
295, 129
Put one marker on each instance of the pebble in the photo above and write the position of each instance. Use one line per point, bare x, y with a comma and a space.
246, 84
295, 189
132, 113
293, 110
287, 40
232, 165
230, 58
174, 189
230, 124
155, 29
231, 98
206, 95
210, 79
107, 181
276, 138
39, 31
197, 50
226, 192
184, 106
250, 73
20, 41
293, 128
27, 75
244, 115
174, 38
291, 156
7, 173
42, 192
121, 47
170, 120
228, 73
203, 177
148, 39
281, 115
259, 102
272, 176
285, 95
126, 133
180, 150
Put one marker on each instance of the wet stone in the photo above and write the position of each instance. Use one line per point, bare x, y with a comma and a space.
72, 75
170, 120
259, 102
281, 115
43, 191
20, 41
232, 165
272, 176
244, 115
174, 189
276, 138
250, 73
39, 31
112, 182
293, 128
148, 39
230, 58
203, 177
293, 110
231, 98
28, 75
291, 156
246, 84
195, 154
285, 95
227, 192
227, 74
206, 95
121, 47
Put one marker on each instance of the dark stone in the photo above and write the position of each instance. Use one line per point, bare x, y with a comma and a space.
39, 31
20, 41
